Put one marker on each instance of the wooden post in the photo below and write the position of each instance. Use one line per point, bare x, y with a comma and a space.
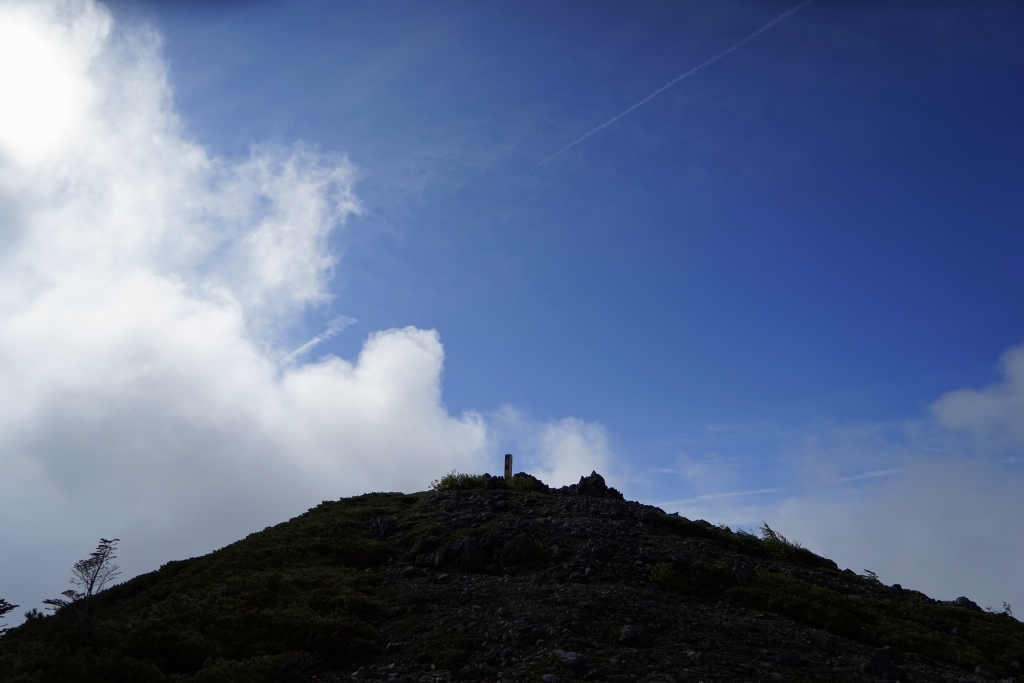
508, 466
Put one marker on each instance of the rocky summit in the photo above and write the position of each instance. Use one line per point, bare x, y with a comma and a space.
494, 581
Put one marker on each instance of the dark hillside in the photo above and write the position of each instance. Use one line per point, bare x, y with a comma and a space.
487, 583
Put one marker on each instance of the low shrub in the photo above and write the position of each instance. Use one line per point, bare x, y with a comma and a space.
457, 481
522, 482
663, 574
908, 625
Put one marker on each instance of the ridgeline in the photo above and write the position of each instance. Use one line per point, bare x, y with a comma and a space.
483, 579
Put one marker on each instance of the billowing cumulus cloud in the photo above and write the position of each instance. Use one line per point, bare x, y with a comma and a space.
148, 293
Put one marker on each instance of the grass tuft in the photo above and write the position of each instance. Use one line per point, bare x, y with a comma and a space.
791, 551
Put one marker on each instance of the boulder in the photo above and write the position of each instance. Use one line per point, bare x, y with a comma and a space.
519, 550
593, 486
967, 603
469, 554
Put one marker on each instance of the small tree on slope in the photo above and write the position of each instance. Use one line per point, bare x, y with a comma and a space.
90, 575
5, 607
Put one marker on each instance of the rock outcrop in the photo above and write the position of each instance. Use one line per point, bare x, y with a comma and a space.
578, 583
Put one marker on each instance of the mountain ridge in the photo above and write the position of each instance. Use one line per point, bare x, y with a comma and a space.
489, 580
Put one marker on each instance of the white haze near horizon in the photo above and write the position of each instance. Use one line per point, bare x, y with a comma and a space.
149, 300
936, 508
148, 296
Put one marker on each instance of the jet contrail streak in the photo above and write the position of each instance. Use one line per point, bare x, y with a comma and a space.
335, 326
687, 74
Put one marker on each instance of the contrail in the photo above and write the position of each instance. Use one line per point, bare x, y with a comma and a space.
734, 494
687, 74
335, 326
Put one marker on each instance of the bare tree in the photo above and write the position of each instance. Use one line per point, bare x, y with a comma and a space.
90, 575
5, 607
97, 570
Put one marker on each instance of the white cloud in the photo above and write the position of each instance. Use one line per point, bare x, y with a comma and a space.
569, 448
947, 528
147, 292
943, 524
915, 502
558, 452
994, 415
335, 327
45, 50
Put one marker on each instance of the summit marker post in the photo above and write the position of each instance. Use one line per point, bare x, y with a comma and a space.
508, 466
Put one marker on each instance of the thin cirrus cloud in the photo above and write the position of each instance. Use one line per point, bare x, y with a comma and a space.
783, 489
146, 292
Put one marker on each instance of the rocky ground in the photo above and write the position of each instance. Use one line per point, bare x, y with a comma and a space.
499, 585
493, 581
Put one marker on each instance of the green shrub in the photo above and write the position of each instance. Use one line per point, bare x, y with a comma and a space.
457, 481
521, 483
663, 574
910, 625
777, 544
698, 579
810, 604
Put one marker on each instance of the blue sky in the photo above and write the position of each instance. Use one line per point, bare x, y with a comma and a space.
830, 214
826, 223
781, 290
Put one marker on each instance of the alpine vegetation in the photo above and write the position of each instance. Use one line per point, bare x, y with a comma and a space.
487, 579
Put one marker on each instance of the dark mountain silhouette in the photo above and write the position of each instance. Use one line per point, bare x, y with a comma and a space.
494, 581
